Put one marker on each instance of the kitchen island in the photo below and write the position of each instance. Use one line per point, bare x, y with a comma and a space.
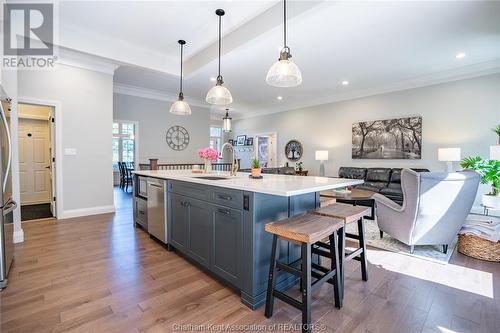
217, 221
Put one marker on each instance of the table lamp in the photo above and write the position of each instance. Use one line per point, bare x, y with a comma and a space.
449, 155
322, 156
495, 153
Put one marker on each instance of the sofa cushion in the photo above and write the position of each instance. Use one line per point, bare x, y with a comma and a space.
382, 175
396, 176
286, 171
368, 187
392, 191
352, 173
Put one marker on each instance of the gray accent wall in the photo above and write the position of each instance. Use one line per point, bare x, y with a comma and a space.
455, 114
154, 119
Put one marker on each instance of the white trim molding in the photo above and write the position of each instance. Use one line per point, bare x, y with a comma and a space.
87, 211
126, 89
18, 236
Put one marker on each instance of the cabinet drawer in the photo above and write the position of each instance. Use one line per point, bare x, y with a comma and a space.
143, 186
227, 197
196, 191
141, 212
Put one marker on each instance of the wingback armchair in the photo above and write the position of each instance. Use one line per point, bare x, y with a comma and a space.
434, 209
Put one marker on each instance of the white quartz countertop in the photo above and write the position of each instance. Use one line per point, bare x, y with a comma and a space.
281, 185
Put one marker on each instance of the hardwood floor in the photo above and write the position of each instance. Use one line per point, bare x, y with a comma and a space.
100, 274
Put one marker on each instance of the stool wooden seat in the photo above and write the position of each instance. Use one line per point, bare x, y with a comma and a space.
348, 214
305, 229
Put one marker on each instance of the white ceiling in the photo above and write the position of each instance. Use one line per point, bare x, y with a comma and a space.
376, 46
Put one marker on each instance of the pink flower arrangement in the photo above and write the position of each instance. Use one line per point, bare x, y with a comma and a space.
208, 154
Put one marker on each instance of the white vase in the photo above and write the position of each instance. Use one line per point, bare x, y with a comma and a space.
491, 201
208, 166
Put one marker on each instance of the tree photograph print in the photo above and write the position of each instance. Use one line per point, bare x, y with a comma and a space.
388, 139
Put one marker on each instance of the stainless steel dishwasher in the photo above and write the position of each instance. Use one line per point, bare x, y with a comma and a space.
157, 226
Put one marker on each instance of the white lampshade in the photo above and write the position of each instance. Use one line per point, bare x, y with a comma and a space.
180, 108
495, 153
449, 154
284, 73
321, 155
219, 95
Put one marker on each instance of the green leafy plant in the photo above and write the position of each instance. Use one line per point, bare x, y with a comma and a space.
488, 169
255, 164
496, 130
299, 166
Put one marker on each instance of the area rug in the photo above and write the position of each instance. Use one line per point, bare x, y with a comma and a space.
35, 212
426, 252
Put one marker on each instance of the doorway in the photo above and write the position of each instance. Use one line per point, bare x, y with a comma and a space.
265, 151
36, 161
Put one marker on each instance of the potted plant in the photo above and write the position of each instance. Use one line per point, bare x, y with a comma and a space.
208, 155
490, 174
497, 131
299, 166
256, 169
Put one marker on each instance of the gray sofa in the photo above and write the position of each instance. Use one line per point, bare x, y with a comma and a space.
434, 208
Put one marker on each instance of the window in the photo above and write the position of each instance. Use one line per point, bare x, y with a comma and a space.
216, 138
123, 142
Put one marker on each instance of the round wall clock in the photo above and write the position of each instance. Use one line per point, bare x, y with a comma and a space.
293, 150
177, 137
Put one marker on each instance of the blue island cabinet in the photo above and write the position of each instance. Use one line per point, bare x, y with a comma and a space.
222, 230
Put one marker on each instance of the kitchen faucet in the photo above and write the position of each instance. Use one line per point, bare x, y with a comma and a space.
234, 162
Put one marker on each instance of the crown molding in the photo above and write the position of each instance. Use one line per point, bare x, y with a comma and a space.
74, 58
462, 73
130, 90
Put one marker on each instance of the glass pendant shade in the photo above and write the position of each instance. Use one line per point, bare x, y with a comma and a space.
219, 95
180, 108
284, 73
226, 123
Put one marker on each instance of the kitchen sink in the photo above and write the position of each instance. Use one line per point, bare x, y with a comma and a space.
211, 177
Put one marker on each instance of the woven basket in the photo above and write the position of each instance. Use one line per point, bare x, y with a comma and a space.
477, 247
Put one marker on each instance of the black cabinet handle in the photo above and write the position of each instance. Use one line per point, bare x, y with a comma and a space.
224, 211
224, 197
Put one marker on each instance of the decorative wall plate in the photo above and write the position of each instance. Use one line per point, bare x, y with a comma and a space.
177, 137
294, 150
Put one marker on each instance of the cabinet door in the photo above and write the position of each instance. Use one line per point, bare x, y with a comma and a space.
180, 222
227, 244
200, 231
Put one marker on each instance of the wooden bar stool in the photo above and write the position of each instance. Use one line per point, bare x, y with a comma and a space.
304, 229
348, 214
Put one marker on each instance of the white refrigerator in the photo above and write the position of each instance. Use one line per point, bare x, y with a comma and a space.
7, 205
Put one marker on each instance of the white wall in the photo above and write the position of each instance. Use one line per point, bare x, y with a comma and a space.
154, 120
84, 118
456, 114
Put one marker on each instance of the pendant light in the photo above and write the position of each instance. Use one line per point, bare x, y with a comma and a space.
180, 107
219, 95
226, 125
284, 73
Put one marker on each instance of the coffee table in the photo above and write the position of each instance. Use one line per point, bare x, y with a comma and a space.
353, 197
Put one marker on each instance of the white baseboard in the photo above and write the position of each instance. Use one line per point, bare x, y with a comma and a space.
86, 211
18, 236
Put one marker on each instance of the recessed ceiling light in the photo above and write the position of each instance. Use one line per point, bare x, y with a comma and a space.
213, 79
345, 83
460, 55
279, 98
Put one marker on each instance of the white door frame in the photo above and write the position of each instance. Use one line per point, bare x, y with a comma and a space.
56, 105
275, 145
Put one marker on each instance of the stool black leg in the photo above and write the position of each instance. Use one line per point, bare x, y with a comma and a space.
362, 244
306, 287
341, 254
272, 275
334, 243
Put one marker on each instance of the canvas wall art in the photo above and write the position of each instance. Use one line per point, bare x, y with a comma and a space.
399, 138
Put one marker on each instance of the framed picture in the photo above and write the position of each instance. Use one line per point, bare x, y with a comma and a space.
399, 138
240, 140
294, 150
231, 141
249, 142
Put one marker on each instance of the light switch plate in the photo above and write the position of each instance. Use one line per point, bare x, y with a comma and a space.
69, 151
